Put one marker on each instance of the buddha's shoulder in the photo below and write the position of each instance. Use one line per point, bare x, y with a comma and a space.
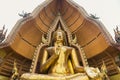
68, 47
49, 48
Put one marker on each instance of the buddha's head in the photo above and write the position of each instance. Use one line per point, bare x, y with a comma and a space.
59, 36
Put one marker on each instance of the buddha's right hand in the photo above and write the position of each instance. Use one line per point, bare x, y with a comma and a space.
57, 50
44, 67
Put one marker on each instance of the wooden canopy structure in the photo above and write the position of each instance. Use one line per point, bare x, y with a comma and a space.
27, 35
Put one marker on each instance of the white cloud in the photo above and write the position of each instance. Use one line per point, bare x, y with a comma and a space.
107, 10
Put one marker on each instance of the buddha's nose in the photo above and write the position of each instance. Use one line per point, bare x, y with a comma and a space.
59, 36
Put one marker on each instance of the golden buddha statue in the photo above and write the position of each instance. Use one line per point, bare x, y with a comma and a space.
59, 61
15, 75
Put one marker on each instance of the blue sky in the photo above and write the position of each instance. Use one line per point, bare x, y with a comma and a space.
107, 10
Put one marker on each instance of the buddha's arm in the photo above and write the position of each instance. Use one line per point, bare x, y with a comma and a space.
46, 63
75, 62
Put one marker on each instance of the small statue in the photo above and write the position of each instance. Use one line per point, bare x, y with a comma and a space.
94, 16
104, 72
15, 73
24, 14
2, 34
117, 34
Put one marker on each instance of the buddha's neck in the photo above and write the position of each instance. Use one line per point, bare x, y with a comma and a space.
58, 44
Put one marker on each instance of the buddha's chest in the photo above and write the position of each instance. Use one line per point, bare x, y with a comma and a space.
60, 65
61, 51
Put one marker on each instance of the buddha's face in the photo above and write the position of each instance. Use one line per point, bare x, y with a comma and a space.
59, 36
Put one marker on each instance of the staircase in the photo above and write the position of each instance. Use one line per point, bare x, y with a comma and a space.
108, 60
6, 66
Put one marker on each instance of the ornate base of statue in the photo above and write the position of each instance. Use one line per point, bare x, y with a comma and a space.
78, 76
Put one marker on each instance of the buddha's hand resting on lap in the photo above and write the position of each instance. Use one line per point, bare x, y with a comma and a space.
92, 72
